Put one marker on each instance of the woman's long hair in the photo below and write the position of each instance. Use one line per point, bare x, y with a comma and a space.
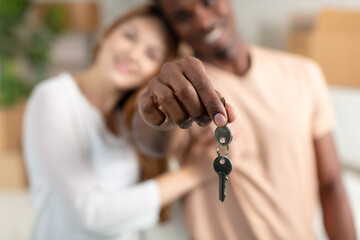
149, 167
151, 10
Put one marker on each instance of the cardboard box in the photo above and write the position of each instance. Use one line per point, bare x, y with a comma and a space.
298, 42
345, 21
11, 127
334, 42
335, 45
298, 39
339, 57
12, 170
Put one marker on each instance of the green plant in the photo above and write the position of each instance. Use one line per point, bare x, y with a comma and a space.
24, 49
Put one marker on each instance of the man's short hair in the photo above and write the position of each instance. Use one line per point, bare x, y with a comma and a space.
156, 2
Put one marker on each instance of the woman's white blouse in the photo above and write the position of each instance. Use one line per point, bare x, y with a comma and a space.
84, 179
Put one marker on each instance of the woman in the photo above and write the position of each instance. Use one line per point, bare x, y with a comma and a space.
85, 174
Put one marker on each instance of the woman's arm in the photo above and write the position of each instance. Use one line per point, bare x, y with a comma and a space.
53, 143
54, 146
156, 142
197, 169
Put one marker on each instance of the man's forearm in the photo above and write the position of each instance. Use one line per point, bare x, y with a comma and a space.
337, 214
153, 142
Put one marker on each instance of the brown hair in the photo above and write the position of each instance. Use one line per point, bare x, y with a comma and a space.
153, 10
150, 10
156, 2
149, 167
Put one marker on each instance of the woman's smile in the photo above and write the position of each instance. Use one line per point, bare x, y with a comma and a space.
123, 67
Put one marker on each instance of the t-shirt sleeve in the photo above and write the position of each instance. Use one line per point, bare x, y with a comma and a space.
323, 116
54, 149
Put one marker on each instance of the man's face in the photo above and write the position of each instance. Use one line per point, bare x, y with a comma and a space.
207, 25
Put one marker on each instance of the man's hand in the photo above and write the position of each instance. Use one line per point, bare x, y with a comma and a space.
181, 94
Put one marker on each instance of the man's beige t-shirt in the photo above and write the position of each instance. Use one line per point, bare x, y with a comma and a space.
282, 105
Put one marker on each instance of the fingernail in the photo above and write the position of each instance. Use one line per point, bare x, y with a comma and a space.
186, 124
203, 121
219, 120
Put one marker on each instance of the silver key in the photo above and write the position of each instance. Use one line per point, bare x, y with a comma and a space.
223, 167
222, 164
223, 135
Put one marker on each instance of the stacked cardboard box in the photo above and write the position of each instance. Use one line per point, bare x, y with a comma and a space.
12, 170
82, 20
11, 127
334, 42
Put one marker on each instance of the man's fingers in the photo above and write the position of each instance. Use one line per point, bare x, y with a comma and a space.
186, 94
194, 70
149, 111
171, 105
230, 113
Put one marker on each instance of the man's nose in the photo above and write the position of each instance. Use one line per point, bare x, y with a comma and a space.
203, 20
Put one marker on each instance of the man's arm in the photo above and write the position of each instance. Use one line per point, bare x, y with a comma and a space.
336, 210
156, 142
180, 95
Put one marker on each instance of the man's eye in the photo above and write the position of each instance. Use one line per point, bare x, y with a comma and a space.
209, 2
183, 16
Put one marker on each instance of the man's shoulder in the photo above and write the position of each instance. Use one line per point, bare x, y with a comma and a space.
292, 68
282, 57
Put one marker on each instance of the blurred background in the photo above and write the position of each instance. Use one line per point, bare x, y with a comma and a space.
42, 38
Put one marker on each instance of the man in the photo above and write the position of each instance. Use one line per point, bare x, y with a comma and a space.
283, 152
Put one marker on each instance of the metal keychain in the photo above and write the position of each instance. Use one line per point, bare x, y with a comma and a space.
222, 164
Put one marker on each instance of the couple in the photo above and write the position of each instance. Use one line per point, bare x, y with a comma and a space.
95, 144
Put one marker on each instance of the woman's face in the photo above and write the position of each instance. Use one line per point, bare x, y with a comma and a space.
133, 52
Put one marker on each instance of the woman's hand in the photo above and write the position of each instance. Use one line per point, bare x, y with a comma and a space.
195, 170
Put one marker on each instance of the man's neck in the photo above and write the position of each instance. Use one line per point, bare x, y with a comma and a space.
235, 60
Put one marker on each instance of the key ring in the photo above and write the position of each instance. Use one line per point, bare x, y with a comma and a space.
218, 150
223, 101
222, 164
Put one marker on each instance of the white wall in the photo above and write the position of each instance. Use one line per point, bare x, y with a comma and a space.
264, 22
110, 9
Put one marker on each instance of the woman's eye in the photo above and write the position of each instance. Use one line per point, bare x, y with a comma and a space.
151, 56
209, 2
130, 35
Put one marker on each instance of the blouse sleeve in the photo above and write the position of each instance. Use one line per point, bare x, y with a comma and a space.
52, 141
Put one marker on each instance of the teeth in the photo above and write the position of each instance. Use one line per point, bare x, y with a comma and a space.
213, 35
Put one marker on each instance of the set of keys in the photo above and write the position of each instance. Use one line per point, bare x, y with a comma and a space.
222, 164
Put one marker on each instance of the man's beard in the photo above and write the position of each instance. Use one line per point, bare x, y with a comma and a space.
223, 52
